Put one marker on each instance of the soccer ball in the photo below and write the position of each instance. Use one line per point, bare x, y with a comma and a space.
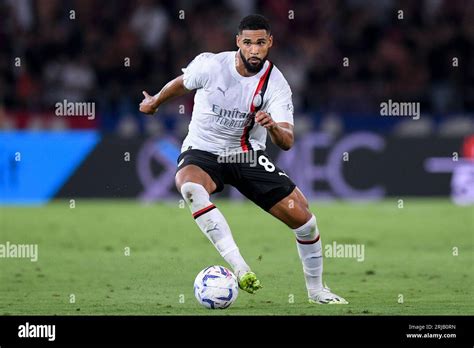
216, 287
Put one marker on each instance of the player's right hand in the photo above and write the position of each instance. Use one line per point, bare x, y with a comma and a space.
147, 105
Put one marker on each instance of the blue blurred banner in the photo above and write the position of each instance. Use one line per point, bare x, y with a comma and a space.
38, 166
35, 165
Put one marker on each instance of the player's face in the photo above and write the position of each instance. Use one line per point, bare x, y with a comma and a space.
254, 46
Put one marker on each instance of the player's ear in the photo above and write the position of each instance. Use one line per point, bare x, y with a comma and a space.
237, 39
270, 41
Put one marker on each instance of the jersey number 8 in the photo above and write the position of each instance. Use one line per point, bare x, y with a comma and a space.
265, 163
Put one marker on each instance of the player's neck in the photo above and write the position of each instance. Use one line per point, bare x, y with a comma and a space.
240, 67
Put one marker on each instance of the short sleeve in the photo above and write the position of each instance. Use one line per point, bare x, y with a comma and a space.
196, 74
280, 105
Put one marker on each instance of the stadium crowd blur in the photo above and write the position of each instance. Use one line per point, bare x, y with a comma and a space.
107, 52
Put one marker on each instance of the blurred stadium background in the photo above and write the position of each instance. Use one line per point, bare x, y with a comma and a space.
342, 60
80, 59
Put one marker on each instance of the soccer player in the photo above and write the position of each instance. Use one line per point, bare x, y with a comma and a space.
241, 97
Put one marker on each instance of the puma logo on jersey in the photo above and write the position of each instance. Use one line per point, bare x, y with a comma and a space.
281, 173
223, 91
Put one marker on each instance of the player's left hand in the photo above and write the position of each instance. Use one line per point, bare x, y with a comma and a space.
148, 104
265, 120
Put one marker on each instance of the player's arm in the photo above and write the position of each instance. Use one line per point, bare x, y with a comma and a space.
174, 88
281, 133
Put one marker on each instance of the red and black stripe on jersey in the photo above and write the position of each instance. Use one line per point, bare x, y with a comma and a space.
261, 88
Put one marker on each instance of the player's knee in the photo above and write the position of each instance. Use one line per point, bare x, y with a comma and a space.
303, 215
194, 174
195, 195
180, 179
178, 183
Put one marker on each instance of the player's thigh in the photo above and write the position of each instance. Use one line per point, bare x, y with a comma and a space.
192, 173
293, 210
268, 186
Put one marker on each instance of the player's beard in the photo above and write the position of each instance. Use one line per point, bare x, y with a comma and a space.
250, 67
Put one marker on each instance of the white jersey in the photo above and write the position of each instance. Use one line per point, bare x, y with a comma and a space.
225, 104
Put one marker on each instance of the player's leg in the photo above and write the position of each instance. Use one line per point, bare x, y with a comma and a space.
192, 173
294, 211
196, 186
271, 189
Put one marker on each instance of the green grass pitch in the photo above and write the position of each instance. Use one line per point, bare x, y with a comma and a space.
409, 253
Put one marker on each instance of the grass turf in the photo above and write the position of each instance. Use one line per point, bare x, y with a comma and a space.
408, 252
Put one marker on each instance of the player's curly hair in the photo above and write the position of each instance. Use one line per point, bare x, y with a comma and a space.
254, 22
